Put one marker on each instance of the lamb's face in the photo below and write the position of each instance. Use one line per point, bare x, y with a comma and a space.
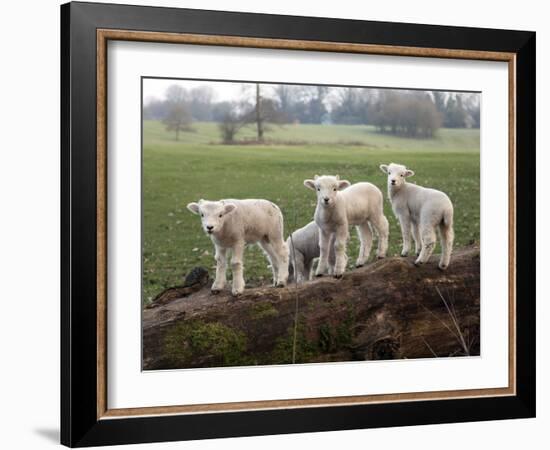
326, 188
212, 214
397, 174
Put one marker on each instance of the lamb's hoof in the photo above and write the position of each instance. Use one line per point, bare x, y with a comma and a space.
380, 257
442, 267
338, 275
280, 284
215, 291
236, 293
404, 254
418, 263
319, 275
359, 265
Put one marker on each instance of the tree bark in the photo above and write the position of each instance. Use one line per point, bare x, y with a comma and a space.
259, 115
389, 309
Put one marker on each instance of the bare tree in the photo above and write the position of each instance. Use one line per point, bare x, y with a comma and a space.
263, 110
230, 126
176, 94
178, 117
200, 100
407, 114
260, 118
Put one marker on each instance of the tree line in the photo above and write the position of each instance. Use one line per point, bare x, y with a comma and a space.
398, 112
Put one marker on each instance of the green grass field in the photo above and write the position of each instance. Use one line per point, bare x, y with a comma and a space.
197, 166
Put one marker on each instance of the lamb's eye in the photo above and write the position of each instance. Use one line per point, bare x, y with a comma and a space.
202, 215
334, 189
402, 175
220, 215
319, 189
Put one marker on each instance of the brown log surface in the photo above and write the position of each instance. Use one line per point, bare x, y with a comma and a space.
389, 309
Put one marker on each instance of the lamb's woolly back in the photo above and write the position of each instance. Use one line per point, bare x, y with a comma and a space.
306, 241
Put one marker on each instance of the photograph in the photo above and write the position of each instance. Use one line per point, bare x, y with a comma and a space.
297, 224
276, 224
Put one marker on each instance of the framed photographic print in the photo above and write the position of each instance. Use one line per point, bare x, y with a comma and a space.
277, 224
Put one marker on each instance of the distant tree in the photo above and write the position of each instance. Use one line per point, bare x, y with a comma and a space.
176, 94
406, 114
229, 127
455, 114
473, 108
302, 104
427, 118
200, 103
178, 116
439, 101
316, 108
284, 96
259, 114
261, 111
221, 109
351, 106
154, 109
178, 119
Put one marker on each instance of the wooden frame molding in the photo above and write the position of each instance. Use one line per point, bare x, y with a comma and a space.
103, 36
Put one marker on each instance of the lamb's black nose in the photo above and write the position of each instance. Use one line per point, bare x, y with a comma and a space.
326, 199
392, 181
209, 227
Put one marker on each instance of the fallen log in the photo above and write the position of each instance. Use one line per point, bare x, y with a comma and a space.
389, 309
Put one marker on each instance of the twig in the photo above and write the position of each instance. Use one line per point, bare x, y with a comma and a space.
444, 324
463, 342
428, 345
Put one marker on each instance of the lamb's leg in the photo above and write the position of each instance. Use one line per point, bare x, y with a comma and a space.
297, 262
273, 261
307, 270
382, 228
405, 223
365, 236
324, 243
340, 243
237, 268
221, 269
280, 254
417, 239
447, 238
331, 254
427, 234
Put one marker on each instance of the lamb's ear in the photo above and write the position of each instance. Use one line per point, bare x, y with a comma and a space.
384, 168
337, 177
343, 184
229, 207
193, 207
409, 173
315, 177
310, 184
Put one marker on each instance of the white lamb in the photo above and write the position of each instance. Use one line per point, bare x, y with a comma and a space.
231, 224
420, 210
303, 249
339, 205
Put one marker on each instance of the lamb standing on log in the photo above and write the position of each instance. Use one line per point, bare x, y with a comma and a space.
339, 205
420, 210
231, 224
303, 248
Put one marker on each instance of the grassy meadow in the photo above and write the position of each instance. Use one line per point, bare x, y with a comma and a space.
198, 166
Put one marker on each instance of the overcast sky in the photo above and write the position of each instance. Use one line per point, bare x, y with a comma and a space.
154, 88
